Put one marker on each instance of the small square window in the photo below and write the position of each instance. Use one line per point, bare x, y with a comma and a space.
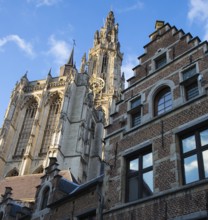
190, 83
139, 175
189, 73
160, 61
135, 112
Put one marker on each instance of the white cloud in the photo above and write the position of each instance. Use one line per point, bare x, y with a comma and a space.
40, 3
193, 165
129, 63
59, 49
21, 43
198, 13
136, 6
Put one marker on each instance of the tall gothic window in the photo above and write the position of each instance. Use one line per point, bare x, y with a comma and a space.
26, 128
53, 119
105, 63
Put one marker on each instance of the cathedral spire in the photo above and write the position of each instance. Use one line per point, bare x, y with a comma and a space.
71, 58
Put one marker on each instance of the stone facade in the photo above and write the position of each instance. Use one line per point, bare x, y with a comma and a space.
63, 116
155, 139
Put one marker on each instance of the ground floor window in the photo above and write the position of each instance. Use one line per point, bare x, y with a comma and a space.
194, 150
139, 175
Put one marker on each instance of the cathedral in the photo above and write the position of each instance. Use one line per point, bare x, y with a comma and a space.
81, 146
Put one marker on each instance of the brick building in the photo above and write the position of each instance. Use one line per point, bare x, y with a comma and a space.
157, 142
155, 163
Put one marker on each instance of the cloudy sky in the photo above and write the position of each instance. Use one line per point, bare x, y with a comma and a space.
37, 35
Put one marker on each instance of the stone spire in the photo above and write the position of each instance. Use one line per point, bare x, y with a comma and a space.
71, 58
104, 64
83, 63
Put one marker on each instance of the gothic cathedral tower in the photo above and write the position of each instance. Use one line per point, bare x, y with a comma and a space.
105, 60
64, 116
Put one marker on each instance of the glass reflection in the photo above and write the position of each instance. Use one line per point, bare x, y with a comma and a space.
205, 159
133, 189
204, 137
189, 144
191, 169
134, 165
147, 160
147, 183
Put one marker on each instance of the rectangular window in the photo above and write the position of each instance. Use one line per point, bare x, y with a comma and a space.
194, 150
139, 175
135, 111
189, 73
160, 61
190, 83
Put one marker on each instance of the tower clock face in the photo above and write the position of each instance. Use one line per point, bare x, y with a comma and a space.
96, 84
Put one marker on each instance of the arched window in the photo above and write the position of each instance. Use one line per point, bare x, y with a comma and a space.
52, 123
12, 172
163, 101
45, 197
26, 127
38, 170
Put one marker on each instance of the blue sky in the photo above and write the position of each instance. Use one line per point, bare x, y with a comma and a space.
37, 35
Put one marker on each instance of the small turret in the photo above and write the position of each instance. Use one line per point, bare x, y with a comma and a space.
83, 63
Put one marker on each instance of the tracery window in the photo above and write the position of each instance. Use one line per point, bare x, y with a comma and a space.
52, 123
105, 63
26, 128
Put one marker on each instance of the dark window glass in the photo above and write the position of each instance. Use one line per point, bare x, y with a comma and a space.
139, 176
194, 149
163, 101
88, 216
189, 73
45, 197
160, 61
190, 83
26, 128
192, 91
52, 123
135, 112
136, 118
135, 103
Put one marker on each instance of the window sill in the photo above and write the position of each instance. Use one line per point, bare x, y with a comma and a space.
160, 195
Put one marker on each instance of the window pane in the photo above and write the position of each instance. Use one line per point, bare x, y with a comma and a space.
147, 184
163, 101
188, 144
136, 119
192, 91
135, 103
161, 61
189, 73
134, 165
191, 169
205, 159
133, 189
204, 137
147, 160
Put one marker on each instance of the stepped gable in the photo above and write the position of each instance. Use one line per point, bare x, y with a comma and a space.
24, 187
165, 38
